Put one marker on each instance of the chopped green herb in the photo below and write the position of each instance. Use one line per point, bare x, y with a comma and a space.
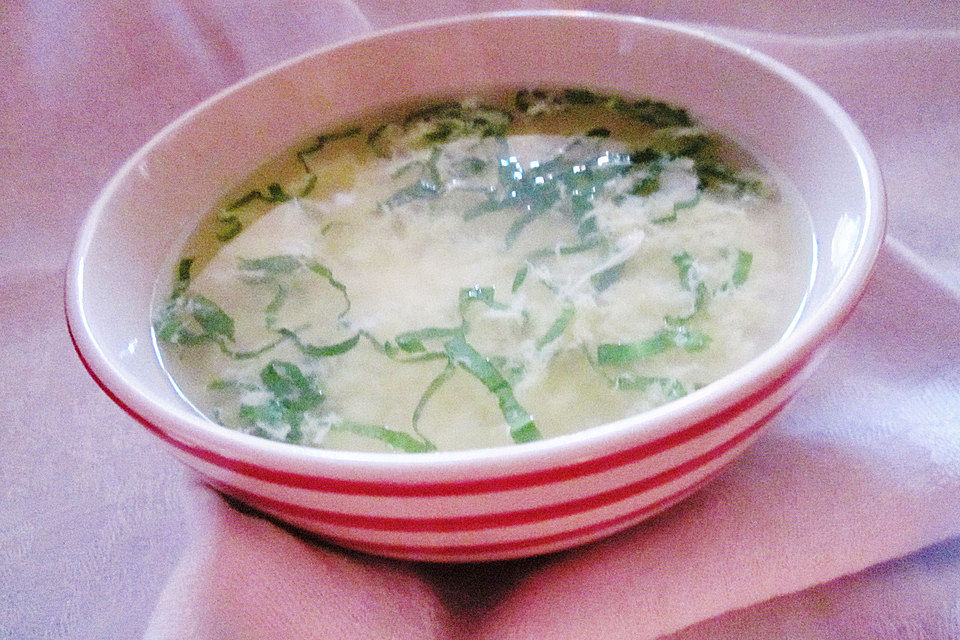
563, 250
522, 427
580, 96
322, 351
533, 102
686, 204
270, 413
487, 206
440, 123
321, 141
220, 384
416, 191
428, 186
398, 355
690, 279
715, 176
270, 312
293, 395
522, 100
250, 196
396, 439
741, 269
512, 370
275, 193
518, 226
670, 217
675, 335
651, 112
470, 166
441, 133
429, 392
228, 227
183, 278
183, 269
621, 353
693, 144
537, 101
293, 389
608, 277
685, 337
519, 277
308, 188
191, 319
412, 341
479, 294
644, 156
559, 325
671, 387
270, 267
650, 182
253, 353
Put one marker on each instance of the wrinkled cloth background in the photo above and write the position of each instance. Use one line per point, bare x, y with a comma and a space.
842, 522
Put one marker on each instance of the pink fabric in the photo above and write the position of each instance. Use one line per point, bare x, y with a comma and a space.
862, 469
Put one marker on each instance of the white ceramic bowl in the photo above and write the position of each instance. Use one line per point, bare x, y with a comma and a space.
490, 503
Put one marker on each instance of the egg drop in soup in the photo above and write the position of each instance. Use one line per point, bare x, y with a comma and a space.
482, 272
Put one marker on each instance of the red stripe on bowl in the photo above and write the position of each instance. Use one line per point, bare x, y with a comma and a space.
503, 518
510, 548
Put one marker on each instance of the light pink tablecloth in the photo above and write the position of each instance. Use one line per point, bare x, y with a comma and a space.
101, 532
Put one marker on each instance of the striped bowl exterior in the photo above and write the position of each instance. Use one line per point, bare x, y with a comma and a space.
499, 517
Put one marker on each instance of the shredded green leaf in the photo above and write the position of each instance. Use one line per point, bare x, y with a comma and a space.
412, 341
321, 142
479, 294
250, 196
191, 319
183, 278
396, 439
253, 353
558, 326
321, 351
522, 427
275, 193
293, 395
398, 355
741, 269
520, 277
651, 112
690, 279
650, 183
228, 227
429, 392
671, 387
272, 266
308, 187
270, 312
675, 335
607, 278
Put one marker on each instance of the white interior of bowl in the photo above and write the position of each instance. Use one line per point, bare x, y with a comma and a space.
175, 179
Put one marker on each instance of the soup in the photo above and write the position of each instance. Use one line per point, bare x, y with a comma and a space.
482, 272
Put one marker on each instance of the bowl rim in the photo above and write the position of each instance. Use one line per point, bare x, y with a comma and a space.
792, 351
